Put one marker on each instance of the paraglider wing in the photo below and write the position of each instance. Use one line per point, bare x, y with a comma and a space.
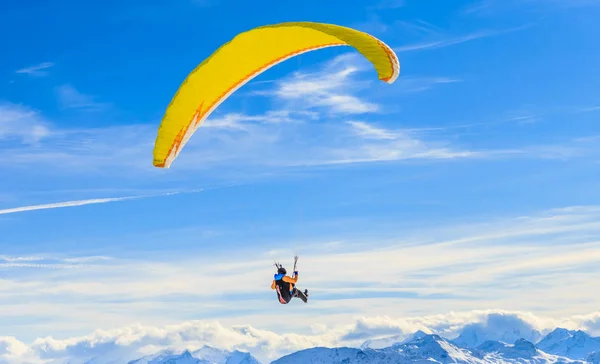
243, 58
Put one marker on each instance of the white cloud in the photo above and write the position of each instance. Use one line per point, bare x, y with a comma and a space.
307, 104
306, 127
14, 351
479, 7
390, 4
420, 27
237, 121
129, 342
22, 123
57, 205
396, 151
590, 109
71, 98
373, 25
368, 131
48, 262
513, 264
20, 259
450, 41
380, 144
37, 70
493, 7
79, 151
329, 89
420, 84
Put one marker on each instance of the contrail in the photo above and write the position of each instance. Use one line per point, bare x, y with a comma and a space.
57, 205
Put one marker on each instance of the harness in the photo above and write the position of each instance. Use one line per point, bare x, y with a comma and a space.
284, 289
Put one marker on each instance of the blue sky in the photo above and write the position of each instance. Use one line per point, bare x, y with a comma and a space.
468, 184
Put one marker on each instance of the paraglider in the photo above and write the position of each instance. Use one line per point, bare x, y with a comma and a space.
244, 57
286, 285
238, 61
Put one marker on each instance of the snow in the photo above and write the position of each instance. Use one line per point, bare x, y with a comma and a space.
164, 358
204, 355
384, 342
430, 349
574, 344
594, 357
497, 327
559, 346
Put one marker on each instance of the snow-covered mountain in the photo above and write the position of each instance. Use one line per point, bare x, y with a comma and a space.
204, 355
560, 346
522, 351
594, 358
497, 327
387, 341
167, 357
574, 344
429, 349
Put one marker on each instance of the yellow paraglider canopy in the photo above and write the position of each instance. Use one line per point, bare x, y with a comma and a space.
243, 58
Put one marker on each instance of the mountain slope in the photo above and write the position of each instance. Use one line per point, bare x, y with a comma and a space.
429, 349
388, 341
497, 327
169, 358
561, 346
574, 344
204, 355
594, 358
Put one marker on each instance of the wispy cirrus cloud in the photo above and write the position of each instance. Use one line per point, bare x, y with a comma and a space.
381, 144
306, 104
92, 201
48, 262
307, 126
36, 70
479, 7
513, 263
22, 124
590, 109
332, 89
369, 131
495, 263
71, 98
126, 343
388, 4
420, 27
447, 41
491, 7
411, 84
239, 121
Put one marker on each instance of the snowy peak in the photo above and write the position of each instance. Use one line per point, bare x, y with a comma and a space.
382, 342
154, 358
416, 336
385, 342
574, 344
435, 347
167, 358
594, 358
561, 346
420, 341
556, 335
204, 355
525, 347
211, 354
427, 349
497, 327
521, 349
322, 355
238, 357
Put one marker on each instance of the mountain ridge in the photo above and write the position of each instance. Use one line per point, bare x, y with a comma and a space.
560, 346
